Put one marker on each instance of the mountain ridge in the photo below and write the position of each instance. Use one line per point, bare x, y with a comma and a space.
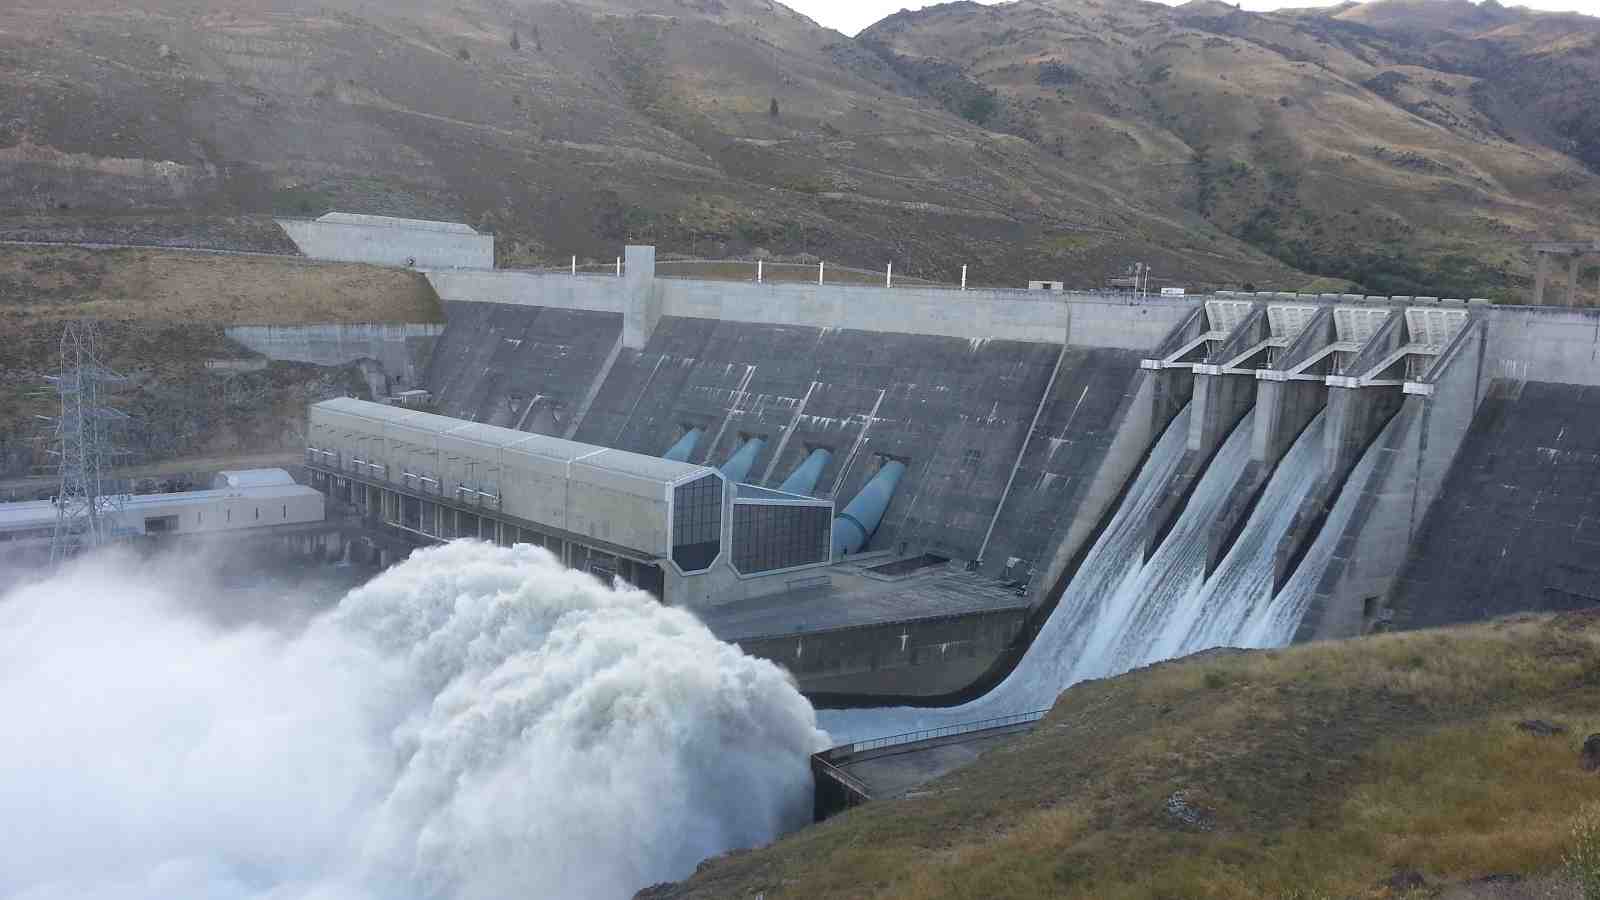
1055, 139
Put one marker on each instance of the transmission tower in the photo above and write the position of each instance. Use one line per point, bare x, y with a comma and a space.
86, 515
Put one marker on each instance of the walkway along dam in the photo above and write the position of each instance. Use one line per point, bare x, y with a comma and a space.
1103, 479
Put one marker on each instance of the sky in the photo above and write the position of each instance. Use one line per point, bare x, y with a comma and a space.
850, 16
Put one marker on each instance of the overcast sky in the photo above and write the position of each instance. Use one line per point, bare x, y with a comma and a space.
850, 16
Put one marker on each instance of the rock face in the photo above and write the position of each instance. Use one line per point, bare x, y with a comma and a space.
1541, 728
1184, 808
1405, 880
1590, 757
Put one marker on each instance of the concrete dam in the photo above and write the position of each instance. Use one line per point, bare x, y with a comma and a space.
1105, 479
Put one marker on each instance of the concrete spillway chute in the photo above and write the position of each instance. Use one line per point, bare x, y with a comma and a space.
855, 526
685, 446
803, 480
737, 468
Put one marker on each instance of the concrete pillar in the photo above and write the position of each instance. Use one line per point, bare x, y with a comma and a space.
1220, 401
1171, 392
643, 301
1283, 410
1355, 416
1540, 276
1574, 268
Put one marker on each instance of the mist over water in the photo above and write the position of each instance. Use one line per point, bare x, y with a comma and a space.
474, 722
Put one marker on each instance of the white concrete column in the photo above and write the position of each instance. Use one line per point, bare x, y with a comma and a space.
963, 276
888, 276
574, 264
758, 271
642, 301
820, 267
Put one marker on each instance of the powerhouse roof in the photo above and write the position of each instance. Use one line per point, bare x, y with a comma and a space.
399, 424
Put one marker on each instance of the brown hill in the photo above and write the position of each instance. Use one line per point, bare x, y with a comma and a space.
645, 120
1409, 145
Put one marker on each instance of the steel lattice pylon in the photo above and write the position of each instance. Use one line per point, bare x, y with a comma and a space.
86, 515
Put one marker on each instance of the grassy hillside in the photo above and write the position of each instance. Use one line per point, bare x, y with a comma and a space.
1412, 146
1364, 768
47, 284
649, 120
1408, 146
162, 316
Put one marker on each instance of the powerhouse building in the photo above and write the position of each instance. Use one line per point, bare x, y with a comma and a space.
686, 533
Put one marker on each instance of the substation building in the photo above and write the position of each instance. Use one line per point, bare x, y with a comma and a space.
247, 501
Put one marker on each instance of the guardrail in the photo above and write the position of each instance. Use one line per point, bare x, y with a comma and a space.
927, 734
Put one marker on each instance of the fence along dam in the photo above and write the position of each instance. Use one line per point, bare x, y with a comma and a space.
1082, 483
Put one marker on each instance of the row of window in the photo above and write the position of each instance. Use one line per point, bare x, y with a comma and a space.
445, 523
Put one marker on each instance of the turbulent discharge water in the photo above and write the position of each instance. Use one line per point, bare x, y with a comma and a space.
1119, 612
474, 722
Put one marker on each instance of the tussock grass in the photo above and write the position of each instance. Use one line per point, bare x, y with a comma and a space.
1328, 767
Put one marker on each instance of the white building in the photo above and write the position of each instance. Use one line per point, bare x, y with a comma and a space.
665, 526
265, 498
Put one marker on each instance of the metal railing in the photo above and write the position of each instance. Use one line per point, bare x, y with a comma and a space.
850, 782
928, 734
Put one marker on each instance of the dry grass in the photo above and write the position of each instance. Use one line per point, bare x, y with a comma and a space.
1328, 768
40, 284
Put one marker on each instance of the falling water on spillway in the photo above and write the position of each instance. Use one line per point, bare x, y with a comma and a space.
1119, 612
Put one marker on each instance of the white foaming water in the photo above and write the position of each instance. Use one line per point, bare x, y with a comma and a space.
1275, 624
1239, 592
1144, 604
475, 722
1119, 613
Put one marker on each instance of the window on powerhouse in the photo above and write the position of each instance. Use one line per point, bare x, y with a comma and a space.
697, 523
767, 537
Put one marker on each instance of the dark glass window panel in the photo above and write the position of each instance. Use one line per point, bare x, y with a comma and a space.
697, 523
779, 537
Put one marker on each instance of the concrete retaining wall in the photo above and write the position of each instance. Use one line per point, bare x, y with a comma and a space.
524, 367
1091, 434
403, 350
918, 657
600, 293
1515, 524
956, 411
1085, 320
390, 244
1541, 343
1416, 451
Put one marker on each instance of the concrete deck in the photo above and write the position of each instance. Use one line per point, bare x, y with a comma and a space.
895, 771
856, 598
